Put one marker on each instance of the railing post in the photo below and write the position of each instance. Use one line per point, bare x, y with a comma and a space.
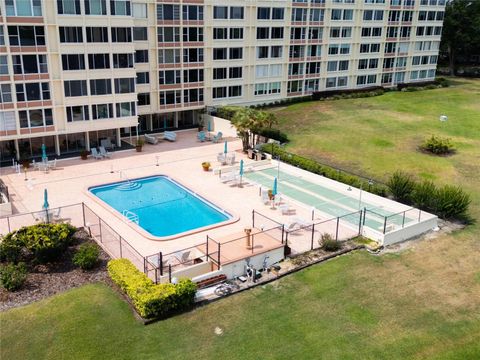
419, 215
253, 218
160, 262
145, 265
219, 256
121, 256
283, 232
360, 223
403, 220
46, 216
83, 211
313, 233
385, 225
169, 273
8, 223
207, 247
336, 232
364, 215
253, 242
100, 229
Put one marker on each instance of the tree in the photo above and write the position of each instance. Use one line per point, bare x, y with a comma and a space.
461, 30
248, 122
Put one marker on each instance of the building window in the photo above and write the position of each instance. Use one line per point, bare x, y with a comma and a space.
236, 12
122, 61
192, 75
139, 11
219, 54
98, 61
73, 62
143, 99
32, 91
75, 88
219, 73
95, 7
171, 97
192, 12
121, 34
126, 109
141, 56
235, 91
235, 72
124, 85
219, 92
102, 111
169, 56
193, 55
23, 7
168, 12
120, 7
295, 86
140, 34
7, 121
97, 34
35, 118
5, 93
235, 53
26, 35
192, 95
71, 34
68, 7
220, 12
318, 15
143, 77
100, 87
30, 64
77, 113
236, 33
169, 77
192, 34
168, 34
220, 33
4, 65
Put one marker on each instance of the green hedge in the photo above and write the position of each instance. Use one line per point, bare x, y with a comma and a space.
39, 243
151, 300
324, 170
274, 134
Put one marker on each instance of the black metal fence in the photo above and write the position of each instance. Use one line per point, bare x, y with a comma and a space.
392, 222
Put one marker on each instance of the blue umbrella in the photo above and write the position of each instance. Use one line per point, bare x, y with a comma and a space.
225, 149
44, 152
274, 191
209, 127
46, 205
241, 171
164, 123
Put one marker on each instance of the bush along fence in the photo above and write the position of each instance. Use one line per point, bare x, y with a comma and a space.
448, 202
150, 300
328, 171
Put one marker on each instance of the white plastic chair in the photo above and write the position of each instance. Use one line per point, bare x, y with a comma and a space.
95, 153
104, 152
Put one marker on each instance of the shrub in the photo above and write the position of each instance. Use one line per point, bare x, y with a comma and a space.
452, 202
12, 277
401, 186
273, 134
328, 243
86, 256
151, 300
424, 196
438, 145
41, 243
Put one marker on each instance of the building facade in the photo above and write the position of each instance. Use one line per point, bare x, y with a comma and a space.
76, 74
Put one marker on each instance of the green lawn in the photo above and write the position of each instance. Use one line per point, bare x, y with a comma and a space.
421, 303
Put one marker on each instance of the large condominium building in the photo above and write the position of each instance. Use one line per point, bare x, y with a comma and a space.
76, 72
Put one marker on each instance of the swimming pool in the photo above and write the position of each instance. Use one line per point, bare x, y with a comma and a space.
160, 206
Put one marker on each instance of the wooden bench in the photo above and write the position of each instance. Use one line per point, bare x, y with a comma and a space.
211, 281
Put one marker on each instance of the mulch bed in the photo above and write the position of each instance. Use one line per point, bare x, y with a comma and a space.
49, 279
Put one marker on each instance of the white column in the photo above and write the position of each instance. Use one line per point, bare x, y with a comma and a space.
119, 141
87, 141
57, 145
17, 149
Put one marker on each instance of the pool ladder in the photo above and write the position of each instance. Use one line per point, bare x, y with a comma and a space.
131, 216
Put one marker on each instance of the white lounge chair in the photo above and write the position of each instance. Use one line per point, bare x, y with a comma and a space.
285, 209
170, 136
52, 164
95, 153
230, 176
218, 137
151, 139
104, 152
221, 158
302, 223
230, 159
265, 197
182, 256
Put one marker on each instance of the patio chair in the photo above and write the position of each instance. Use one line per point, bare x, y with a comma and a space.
35, 165
230, 159
302, 223
265, 197
218, 137
107, 143
95, 153
231, 176
151, 139
221, 158
104, 152
201, 136
182, 256
170, 136
52, 164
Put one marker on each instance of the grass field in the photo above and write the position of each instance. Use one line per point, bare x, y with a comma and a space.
421, 303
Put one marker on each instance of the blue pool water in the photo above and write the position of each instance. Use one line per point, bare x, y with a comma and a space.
162, 206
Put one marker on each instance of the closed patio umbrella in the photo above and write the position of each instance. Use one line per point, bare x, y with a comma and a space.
46, 205
274, 190
241, 171
225, 149
44, 153
209, 126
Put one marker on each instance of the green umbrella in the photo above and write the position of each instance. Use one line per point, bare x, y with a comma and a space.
46, 205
